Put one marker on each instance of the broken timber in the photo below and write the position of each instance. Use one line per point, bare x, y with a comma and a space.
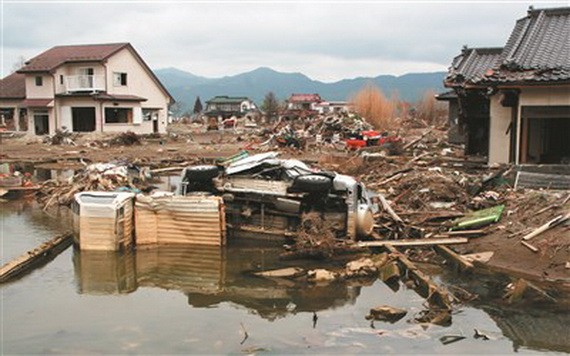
425, 286
552, 223
454, 258
414, 242
39, 256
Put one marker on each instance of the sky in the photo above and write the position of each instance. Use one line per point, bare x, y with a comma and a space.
325, 40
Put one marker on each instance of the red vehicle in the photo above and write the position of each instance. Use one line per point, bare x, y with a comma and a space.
370, 138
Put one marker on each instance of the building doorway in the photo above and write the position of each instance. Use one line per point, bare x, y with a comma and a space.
83, 119
41, 123
544, 135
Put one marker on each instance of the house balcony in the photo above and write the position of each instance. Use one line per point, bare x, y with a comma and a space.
75, 83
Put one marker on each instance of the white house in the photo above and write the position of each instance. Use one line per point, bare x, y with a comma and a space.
86, 88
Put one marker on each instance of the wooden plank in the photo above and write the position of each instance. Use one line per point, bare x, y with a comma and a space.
453, 257
549, 225
414, 242
529, 246
386, 206
42, 254
425, 286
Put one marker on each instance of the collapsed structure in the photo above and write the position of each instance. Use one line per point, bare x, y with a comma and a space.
514, 102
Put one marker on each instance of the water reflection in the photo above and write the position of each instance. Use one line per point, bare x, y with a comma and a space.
533, 324
534, 328
104, 272
208, 275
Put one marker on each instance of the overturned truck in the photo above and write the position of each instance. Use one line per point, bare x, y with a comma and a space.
267, 196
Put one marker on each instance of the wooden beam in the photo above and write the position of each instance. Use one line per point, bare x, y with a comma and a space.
42, 254
425, 286
414, 242
549, 225
453, 257
386, 206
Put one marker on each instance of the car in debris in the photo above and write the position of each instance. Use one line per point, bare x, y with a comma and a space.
266, 195
370, 138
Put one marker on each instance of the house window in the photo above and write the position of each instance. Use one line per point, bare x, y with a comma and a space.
85, 71
60, 79
149, 114
118, 115
39, 81
119, 79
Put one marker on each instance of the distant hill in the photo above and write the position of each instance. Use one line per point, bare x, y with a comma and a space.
185, 86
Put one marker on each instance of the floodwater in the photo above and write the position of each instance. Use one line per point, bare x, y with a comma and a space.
182, 300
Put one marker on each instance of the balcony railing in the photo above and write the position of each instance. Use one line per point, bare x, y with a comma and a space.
84, 83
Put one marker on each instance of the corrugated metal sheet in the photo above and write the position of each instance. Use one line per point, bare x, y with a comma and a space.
179, 220
542, 180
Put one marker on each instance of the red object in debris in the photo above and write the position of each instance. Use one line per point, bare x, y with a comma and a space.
354, 144
229, 123
371, 134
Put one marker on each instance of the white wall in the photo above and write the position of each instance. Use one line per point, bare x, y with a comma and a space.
499, 142
140, 83
44, 91
499, 139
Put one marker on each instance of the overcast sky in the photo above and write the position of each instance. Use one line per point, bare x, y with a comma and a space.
326, 40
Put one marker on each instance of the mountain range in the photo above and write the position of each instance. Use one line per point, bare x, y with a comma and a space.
185, 87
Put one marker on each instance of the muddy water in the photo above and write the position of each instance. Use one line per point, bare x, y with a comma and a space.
205, 300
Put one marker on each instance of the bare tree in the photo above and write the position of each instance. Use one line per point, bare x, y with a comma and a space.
20, 62
373, 105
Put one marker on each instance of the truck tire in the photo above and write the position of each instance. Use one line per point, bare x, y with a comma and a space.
312, 183
201, 173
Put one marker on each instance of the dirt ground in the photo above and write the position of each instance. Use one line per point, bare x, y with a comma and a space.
413, 181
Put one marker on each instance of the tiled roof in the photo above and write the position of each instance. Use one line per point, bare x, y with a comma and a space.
13, 86
304, 98
56, 56
472, 64
446, 96
37, 103
538, 50
224, 99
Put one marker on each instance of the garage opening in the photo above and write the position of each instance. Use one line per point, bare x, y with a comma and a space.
83, 119
545, 134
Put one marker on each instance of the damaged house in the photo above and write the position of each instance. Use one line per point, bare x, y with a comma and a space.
514, 102
303, 101
85, 88
228, 106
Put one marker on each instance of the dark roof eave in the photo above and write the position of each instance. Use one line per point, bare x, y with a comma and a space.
12, 98
533, 83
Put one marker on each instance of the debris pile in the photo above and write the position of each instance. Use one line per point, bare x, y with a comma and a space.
61, 138
128, 138
95, 177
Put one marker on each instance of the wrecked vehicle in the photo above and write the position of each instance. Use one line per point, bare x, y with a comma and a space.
270, 196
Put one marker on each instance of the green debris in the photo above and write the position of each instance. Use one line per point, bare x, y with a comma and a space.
479, 218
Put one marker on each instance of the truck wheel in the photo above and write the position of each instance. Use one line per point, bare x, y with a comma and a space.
312, 183
201, 173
